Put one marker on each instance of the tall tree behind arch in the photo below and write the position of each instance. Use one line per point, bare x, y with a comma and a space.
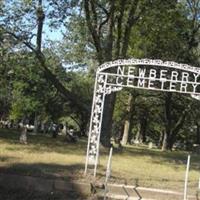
110, 24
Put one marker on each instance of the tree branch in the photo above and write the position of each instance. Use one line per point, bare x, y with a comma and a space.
119, 28
93, 31
19, 39
106, 19
109, 42
94, 13
49, 75
40, 19
180, 122
76, 121
102, 24
102, 8
128, 27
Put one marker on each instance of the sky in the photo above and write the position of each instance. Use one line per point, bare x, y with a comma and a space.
54, 35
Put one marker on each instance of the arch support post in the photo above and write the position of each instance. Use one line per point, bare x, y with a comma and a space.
92, 156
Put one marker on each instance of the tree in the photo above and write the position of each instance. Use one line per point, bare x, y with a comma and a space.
6, 75
129, 116
5, 84
110, 24
186, 54
19, 21
81, 83
162, 35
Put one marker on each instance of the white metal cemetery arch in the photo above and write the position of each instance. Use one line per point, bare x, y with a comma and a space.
135, 73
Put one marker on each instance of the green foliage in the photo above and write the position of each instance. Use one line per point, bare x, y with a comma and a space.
26, 82
160, 34
81, 85
167, 30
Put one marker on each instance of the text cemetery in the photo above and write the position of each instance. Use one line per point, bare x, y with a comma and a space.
155, 79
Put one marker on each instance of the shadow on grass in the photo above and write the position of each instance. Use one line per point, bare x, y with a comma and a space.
43, 143
47, 181
64, 172
8, 158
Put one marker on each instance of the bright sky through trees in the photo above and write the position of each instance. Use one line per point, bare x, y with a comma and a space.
54, 35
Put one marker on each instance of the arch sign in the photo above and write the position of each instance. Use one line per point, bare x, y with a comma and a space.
136, 73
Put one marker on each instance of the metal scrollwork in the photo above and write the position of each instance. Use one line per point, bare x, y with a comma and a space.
111, 89
95, 126
145, 61
108, 81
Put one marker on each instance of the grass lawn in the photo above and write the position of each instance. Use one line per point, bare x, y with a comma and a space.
48, 157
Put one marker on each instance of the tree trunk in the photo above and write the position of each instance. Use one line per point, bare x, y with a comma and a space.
127, 123
130, 136
164, 141
24, 130
160, 142
198, 133
172, 131
36, 123
104, 44
126, 132
23, 135
137, 136
107, 120
170, 141
168, 121
143, 124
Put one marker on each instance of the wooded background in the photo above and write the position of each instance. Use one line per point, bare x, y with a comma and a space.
51, 80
